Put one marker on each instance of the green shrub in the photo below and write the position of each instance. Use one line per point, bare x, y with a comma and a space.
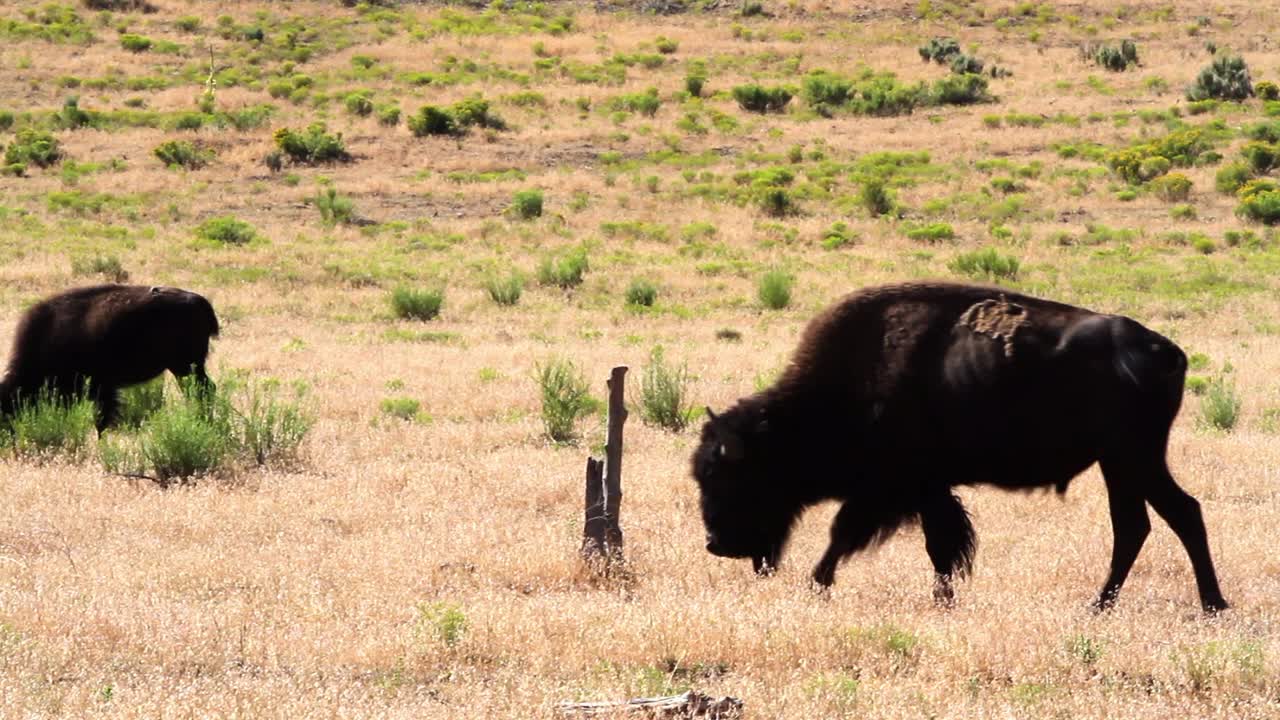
182, 153
187, 23
388, 115
986, 263
359, 103
565, 270
776, 202
641, 293
135, 43
646, 103
1220, 405
1182, 212
334, 208
474, 111
664, 393
506, 290
50, 424
1174, 187
33, 147
1115, 58
756, 98
416, 303
838, 235
446, 622
403, 408
182, 442
775, 288
1149, 160
312, 146
666, 45
107, 266
269, 429
6, 120
940, 50
694, 83
432, 120
1226, 78
1230, 178
527, 204
1267, 90
933, 232
565, 398
1263, 157
139, 402
876, 197
226, 230
1260, 201
962, 89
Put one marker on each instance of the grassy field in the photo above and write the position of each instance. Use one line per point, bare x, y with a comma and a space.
418, 559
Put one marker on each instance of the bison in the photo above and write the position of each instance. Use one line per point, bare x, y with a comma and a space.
899, 393
102, 338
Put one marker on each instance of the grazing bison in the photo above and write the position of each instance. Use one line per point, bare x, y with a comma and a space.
898, 394
106, 337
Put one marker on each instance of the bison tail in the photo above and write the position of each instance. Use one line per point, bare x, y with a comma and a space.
948, 535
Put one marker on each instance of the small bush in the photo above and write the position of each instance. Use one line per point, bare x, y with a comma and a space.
565, 398
50, 424
645, 103
1220, 405
641, 293
188, 23
139, 402
1115, 58
664, 393
334, 208
270, 429
1260, 201
694, 83
226, 230
940, 50
565, 270
388, 115
1230, 178
774, 289
474, 111
313, 146
33, 147
756, 98
986, 263
933, 232
1226, 78
403, 408
776, 202
666, 45
1174, 187
446, 622
107, 266
431, 120
416, 303
1182, 212
135, 43
527, 204
359, 103
875, 196
963, 89
1267, 90
1262, 156
182, 153
506, 290
182, 442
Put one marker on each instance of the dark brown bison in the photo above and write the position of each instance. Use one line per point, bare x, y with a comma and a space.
899, 393
106, 337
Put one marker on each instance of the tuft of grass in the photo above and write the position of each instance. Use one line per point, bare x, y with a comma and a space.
183, 153
312, 146
876, 197
987, 263
774, 290
505, 290
444, 622
334, 208
416, 303
527, 204
760, 99
226, 230
565, 270
49, 424
403, 408
1220, 404
108, 266
564, 392
932, 233
641, 293
664, 393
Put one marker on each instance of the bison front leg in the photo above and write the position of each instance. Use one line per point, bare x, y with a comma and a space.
949, 539
767, 565
852, 530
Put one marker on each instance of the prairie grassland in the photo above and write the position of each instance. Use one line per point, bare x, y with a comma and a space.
426, 567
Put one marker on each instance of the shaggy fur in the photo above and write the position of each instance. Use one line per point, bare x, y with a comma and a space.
106, 337
899, 393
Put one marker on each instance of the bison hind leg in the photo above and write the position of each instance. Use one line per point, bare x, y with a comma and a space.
950, 540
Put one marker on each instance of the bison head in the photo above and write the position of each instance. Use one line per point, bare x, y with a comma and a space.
745, 515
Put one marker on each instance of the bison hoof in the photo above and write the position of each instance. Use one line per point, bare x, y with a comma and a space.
1214, 606
763, 567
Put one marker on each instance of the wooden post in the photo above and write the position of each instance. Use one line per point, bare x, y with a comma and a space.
594, 523
613, 464
601, 529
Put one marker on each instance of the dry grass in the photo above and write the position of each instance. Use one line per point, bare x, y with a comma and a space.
429, 569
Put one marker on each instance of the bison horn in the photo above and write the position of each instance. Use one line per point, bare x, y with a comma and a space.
711, 416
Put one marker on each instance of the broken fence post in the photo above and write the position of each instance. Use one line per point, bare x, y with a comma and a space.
601, 529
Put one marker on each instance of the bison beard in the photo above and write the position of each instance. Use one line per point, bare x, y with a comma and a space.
102, 338
898, 394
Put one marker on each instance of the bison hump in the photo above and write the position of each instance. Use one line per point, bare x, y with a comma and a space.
997, 319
